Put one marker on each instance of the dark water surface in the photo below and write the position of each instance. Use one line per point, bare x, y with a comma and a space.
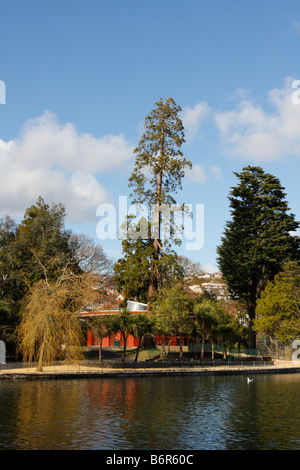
156, 413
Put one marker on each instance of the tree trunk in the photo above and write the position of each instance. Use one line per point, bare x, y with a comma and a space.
153, 285
124, 348
169, 344
138, 349
40, 362
251, 307
180, 353
100, 349
251, 336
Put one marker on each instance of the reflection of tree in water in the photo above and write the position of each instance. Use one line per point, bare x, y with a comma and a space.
45, 411
152, 413
145, 410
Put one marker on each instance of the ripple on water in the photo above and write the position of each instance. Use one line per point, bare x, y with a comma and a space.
152, 413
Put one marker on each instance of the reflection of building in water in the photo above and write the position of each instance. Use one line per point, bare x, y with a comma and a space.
121, 396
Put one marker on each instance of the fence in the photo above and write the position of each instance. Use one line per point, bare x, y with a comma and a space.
275, 349
96, 366
218, 349
267, 351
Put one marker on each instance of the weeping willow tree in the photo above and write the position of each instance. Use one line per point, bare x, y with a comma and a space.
50, 328
60, 272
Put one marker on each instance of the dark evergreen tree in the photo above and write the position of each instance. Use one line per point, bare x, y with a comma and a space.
258, 240
42, 242
12, 286
132, 271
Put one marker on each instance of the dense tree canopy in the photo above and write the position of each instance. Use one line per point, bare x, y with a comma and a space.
278, 309
132, 271
46, 275
173, 313
42, 242
12, 285
259, 238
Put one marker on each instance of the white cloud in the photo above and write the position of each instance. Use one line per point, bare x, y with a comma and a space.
196, 174
193, 118
253, 133
199, 174
54, 160
216, 172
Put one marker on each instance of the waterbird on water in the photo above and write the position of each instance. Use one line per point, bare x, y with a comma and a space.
249, 380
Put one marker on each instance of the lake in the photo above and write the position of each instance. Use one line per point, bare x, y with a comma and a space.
156, 413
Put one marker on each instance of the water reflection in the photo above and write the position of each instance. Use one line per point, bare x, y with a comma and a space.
151, 413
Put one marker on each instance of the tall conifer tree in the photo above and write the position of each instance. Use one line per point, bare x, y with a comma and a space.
159, 168
258, 240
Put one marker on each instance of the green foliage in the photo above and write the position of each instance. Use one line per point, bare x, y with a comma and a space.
125, 324
38, 255
168, 272
12, 286
158, 170
143, 325
8, 322
173, 313
38, 244
228, 330
258, 240
278, 308
101, 326
159, 165
205, 319
42, 242
132, 272
214, 324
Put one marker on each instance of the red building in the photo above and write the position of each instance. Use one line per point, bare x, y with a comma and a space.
116, 338
111, 305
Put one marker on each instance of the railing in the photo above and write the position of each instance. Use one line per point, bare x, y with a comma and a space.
106, 365
218, 349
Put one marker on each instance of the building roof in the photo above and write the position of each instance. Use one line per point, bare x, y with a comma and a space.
114, 308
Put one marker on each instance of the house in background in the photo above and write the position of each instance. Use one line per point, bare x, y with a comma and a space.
116, 339
112, 307
112, 303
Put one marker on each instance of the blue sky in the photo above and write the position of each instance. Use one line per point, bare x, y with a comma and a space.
81, 76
